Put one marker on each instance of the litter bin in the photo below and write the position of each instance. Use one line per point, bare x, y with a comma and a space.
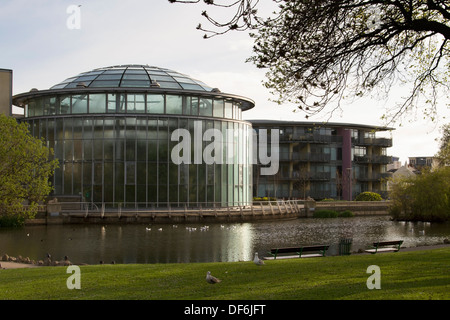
345, 246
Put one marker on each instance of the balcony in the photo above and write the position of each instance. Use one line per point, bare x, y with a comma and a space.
378, 142
306, 138
374, 176
374, 159
305, 157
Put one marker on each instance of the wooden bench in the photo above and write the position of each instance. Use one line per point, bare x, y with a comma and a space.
298, 251
385, 246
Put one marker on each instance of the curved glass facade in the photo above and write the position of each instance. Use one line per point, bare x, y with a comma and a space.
132, 103
116, 146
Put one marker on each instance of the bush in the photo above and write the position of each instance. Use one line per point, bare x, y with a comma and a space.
11, 221
345, 214
332, 214
369, 196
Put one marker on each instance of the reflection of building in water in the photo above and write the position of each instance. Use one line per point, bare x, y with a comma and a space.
111, 130
331, 160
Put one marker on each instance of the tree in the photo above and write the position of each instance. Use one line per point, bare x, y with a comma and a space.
319, 52
25, 168
443, 156
425, 197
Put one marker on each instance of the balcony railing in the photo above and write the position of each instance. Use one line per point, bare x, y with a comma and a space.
379, 142
306, 137
374, 176
305, 157
377, 159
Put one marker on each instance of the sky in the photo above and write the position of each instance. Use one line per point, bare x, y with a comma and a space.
40, 47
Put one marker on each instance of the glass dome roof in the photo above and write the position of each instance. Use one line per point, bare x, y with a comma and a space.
133, 76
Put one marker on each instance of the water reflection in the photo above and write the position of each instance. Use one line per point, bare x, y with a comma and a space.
199, 243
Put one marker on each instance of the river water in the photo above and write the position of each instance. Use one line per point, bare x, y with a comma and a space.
212, 242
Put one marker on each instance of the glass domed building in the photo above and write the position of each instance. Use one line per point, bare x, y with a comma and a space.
116, 130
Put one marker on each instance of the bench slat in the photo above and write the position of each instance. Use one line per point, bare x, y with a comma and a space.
299, 251
379, 246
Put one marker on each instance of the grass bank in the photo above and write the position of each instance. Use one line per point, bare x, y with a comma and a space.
420, 275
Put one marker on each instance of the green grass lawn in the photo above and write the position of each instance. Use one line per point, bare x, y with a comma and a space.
421, 275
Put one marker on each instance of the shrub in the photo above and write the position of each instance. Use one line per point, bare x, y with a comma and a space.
332, 214
369, 196
345, 214
325, 214
11, 221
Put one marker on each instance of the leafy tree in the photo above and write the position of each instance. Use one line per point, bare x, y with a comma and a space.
425, 197
318, 52
25, 168
443, 155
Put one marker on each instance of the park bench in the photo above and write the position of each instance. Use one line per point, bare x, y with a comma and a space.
299, 252
385, 246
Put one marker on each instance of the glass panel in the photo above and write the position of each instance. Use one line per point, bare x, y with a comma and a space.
108, 181
77, 178
64, 105
68, 128
97, 103
77, 128
155, 103
174, 104
68, 150
228, 110
141, 173
104, 84
98, 149
38, 108
87, 149
77, 150
119, 149
130, 150
68, 178
169, 85
135, 83
161, 78
184, 80
205, 107
218, 108
141, 150
119, 181
109, 76
86, 78
152, 127
135, 76
111, 106
189, 86
50, 105
108, 145
79, 103
194, 106
131, 176
152, 152
121, 106
135, 103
